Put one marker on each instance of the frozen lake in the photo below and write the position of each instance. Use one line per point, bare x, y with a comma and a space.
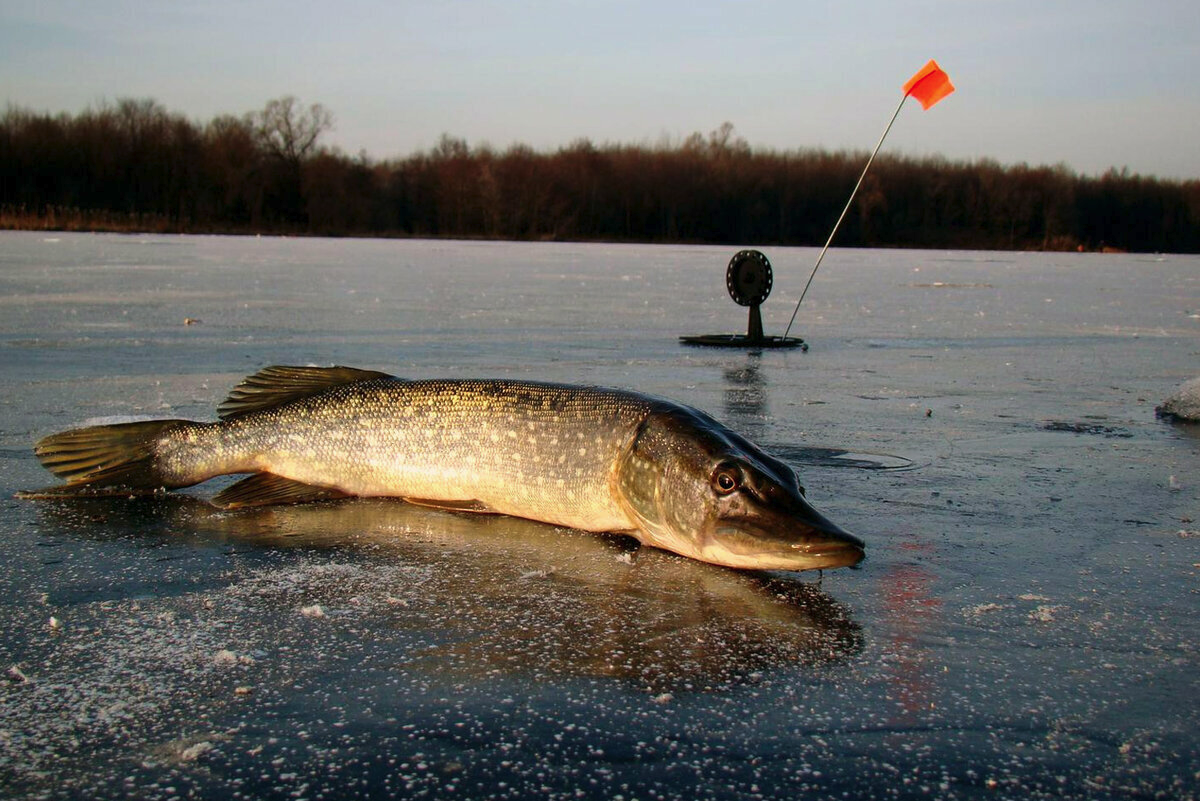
1025, 623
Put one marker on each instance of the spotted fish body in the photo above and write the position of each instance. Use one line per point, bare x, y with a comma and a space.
524, 449
583, 457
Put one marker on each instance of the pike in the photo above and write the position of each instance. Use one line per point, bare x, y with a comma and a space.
595, 459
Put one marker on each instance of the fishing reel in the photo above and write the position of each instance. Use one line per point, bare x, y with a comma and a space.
748, 279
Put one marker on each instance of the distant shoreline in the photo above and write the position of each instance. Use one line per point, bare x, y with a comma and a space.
73, 221
136, 168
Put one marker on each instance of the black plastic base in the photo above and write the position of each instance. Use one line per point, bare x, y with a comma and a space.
744, 341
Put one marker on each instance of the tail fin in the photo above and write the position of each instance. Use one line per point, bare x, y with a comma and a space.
115, 457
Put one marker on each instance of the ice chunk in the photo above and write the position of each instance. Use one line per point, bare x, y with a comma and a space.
1184, 404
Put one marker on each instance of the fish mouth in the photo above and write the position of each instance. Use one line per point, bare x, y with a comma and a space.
767, 549
828, 545
833, 553
823, 541
796, 538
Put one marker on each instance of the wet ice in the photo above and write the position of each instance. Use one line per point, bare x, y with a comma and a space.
1022, 623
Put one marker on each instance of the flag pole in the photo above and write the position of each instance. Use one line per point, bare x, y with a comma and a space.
841, 217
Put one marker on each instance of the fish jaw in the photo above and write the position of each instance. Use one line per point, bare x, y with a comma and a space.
787, 535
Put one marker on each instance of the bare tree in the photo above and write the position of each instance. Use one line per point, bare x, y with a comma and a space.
288, 130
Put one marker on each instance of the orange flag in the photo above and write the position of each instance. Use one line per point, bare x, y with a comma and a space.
929, 85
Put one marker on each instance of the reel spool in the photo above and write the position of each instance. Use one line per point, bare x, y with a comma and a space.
748, 279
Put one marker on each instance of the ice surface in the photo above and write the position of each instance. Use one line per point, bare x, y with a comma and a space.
1024, 625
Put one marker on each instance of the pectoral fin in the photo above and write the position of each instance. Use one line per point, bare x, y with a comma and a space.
477, 507
268, 489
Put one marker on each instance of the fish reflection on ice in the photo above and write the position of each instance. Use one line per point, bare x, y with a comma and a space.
521, 597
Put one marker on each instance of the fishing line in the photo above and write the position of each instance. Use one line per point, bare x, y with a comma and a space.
842, 216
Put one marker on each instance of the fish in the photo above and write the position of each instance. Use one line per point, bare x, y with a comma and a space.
588, 458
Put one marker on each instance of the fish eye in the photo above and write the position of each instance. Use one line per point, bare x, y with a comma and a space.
726, 479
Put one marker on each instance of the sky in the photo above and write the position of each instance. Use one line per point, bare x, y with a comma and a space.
1092, 85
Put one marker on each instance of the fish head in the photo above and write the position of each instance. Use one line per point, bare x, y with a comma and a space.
696, 488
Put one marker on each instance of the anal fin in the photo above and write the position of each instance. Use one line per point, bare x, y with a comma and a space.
268, 489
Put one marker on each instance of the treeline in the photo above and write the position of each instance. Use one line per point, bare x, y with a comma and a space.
136, 166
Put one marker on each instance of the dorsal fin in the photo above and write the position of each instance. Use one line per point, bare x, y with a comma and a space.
279, 384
